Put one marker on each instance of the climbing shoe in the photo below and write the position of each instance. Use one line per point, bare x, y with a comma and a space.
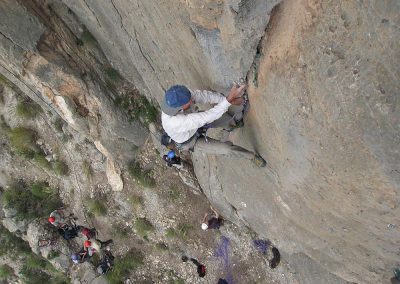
274, 262
259, 161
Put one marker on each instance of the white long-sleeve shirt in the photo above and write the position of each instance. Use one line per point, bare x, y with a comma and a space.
182, 126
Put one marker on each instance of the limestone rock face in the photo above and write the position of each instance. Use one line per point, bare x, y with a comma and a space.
156, 44
325, 114
48, 67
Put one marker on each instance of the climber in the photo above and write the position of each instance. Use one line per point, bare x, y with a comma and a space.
212, 221
80, 256
201, 269
106, 263
88, 233
96, 245
69, 232
57, 218
186, 126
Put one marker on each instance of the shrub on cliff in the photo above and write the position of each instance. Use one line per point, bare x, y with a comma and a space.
124, 266
28, 109
23, 139
31, 201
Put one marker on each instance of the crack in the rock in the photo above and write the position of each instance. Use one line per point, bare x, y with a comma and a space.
91, 10
26, 85
120, 18
254, 66
11, 40
130, 37
141, 51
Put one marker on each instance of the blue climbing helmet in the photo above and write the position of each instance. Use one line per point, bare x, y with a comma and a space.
75, 256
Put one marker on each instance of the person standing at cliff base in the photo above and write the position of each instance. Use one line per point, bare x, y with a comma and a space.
185, 125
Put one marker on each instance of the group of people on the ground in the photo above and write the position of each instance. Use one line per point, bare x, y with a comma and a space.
67, 228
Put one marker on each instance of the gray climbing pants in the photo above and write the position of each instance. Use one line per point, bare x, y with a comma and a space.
215, 147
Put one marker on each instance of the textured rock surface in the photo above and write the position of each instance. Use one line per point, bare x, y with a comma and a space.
325, 114
158, 43
46, 68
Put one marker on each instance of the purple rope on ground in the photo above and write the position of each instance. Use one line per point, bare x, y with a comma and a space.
222, 252
261, 245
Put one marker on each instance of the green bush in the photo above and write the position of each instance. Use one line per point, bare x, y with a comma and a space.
58, 124
28, 109
87, 38
41, 190
40, 160
136, 201
23, 141
121, 231
124, 266
60, 168
11, 244
137, 106
174, 194
97, 208
33, 276
113, 74
144, 177
161, 246
87, 169
5, 271
181, 232
3, 125
170, 233
143, 227
30, 202
53, 254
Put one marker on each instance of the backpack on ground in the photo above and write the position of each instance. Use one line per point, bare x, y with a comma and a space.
68, 233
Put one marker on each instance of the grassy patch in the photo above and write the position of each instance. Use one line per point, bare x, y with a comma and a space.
143, 227
112, 74
174, 194
161, 246
30, 202
3, 125
97, 208
5, 271
53, 254
40, 160
28, 109
136, 201
181, 232
11, 244
138, 107
87, 38
23, 141
143, 177
121, 231
170, 233
41, 190
87, 169
60, 168
58, 124
38, 270
2, 94
35, 269
124, 266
